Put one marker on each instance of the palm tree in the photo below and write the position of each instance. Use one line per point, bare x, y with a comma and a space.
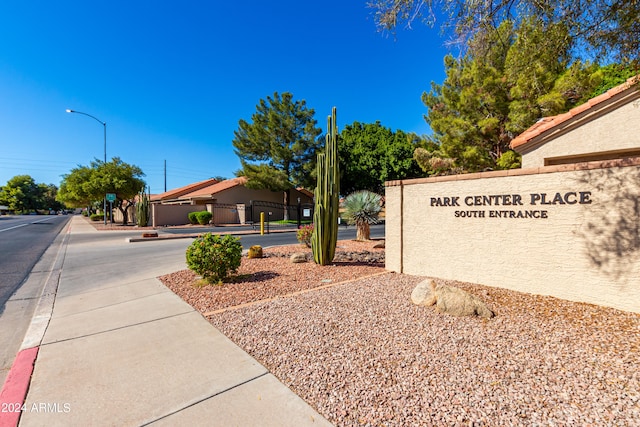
362, 209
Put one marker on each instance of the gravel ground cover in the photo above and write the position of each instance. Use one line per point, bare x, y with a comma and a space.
275, 275
362, 354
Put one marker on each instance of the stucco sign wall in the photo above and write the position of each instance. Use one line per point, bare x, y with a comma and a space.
570, 231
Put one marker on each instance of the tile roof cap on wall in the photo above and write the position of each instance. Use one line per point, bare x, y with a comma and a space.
546, 124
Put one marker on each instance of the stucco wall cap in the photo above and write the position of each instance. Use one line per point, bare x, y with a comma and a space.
599, 164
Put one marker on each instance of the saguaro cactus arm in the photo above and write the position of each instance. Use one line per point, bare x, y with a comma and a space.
142, 209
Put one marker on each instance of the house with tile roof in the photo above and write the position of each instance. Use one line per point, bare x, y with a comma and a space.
604, 128
230, 201
176, 193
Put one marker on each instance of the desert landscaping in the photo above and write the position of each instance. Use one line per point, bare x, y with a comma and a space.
347, 338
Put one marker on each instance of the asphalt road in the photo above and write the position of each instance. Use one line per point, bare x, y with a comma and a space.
23, 240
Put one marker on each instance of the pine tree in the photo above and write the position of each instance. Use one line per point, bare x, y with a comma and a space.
507, 81
277, 149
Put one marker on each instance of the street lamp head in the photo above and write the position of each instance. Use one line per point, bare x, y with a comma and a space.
69, 111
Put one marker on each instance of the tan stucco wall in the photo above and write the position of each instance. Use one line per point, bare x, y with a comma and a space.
613, 131
172, 214
242, 194
581, 251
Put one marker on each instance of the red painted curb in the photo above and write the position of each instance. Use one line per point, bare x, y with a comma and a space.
15, 387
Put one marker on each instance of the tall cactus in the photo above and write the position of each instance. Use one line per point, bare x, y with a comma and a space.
327, 199
142, 209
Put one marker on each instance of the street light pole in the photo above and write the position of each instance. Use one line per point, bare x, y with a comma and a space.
104, 125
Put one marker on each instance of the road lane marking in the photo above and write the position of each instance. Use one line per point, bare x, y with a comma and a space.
22, 225
11, 228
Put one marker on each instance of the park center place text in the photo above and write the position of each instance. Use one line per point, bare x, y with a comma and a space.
538, 200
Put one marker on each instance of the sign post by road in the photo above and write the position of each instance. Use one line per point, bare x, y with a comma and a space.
111, 197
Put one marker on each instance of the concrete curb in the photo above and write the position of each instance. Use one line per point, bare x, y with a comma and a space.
15, 387
44, 308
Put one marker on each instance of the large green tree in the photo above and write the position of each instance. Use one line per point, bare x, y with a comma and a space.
596, 28
371, 154
507, 80
76, 189
277, 148
23, 194
88, 185
49, 194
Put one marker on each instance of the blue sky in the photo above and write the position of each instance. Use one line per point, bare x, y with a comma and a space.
172, 79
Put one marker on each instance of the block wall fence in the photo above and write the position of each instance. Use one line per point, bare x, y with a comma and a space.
569, 231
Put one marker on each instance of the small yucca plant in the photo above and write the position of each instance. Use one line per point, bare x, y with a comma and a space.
362, 209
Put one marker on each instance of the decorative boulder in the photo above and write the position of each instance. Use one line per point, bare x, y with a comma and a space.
422, 294
449, 299
379, 245
298, 257
255, 251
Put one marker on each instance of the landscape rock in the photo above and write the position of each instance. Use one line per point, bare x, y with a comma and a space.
379, 245
422, 295
255, 251
298, 257
449, 299
366, 257
363, 257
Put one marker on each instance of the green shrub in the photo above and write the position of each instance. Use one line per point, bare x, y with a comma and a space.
96, 217
214, 257
193, 217
304, 234
204, 217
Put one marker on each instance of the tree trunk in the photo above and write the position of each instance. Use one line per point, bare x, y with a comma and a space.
125, 215
286, 204
363, 231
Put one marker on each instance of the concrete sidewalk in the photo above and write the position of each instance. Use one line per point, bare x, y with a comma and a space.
120, 349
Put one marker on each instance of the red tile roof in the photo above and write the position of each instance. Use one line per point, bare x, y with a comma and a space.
546, 124
207, 189
305, 192
177, 192
215, 188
